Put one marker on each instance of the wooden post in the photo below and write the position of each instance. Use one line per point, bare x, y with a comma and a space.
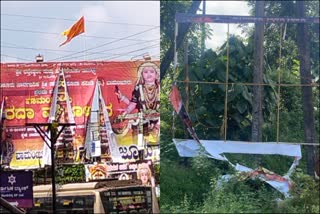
183, 30
257, 116
186, 69
305, 78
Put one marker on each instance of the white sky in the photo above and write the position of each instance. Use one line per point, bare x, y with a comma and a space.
237, 8
102, 23
137, 16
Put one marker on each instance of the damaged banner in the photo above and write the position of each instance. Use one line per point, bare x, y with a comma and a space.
217, 148
178, 106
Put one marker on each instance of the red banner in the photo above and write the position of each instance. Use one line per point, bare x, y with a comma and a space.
28, 91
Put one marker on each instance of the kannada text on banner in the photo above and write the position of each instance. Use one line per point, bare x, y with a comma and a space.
28, 91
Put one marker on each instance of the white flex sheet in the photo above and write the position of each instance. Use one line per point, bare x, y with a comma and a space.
216, 149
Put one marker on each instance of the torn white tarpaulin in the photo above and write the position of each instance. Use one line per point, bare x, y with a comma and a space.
216, 149
280, 183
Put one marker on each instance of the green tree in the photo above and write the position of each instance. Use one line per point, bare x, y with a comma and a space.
191, 186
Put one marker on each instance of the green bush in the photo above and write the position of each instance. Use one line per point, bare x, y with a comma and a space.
237, 196
305, 195
70, 174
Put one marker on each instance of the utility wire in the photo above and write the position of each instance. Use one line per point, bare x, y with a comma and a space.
117, 48
114, 54
51, 33
101, 52
99, 46
117, 54
126, 53
36, 49
68, 51
15, 57
54, 18
150, 47
8, 43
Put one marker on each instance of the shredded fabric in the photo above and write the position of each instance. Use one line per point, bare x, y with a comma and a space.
216, 149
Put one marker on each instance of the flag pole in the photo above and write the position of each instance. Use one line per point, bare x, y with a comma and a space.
84, 41
1, 128
85, 45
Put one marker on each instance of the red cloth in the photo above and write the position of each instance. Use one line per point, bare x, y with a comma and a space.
175, 99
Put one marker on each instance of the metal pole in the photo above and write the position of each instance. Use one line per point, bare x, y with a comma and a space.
1, 127
2, 118
53, 181
53, 128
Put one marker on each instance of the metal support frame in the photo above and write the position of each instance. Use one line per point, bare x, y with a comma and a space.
52, 127
198, 18
206, 18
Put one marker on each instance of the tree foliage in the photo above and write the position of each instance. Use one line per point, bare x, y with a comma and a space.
70, 174
190, 186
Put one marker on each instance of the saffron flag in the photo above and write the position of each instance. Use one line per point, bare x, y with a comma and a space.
74, 31
178, 106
